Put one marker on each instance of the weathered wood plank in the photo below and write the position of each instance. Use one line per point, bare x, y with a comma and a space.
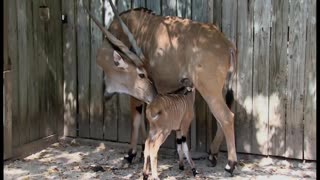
24, 51
310, 130
55, 68
229, 20
138, 3
111, 118
243, 115
217, 13
96, 77
30, 120
69, 69
278, 77
201, 123
229, 28
111, 108
6, 61
7, 89
296, 64
200, 11
169, 7
40, 61
7, 114
123, 5
37, 69
124, 118
184, 8
154, 5
13, 56
262, 21
83, 56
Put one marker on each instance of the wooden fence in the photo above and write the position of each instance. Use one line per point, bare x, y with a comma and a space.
34, 71
275, 86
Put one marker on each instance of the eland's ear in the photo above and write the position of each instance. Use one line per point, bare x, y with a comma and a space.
118, 60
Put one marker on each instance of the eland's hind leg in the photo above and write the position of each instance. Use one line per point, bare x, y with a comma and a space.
215, 145
218, 107
226, 120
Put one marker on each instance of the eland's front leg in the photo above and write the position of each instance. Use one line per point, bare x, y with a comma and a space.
136, 121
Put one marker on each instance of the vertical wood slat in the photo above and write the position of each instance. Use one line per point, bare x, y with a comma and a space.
200, 11
55, 66
138, 3
46, 91
295, 84
262, 17
123, 5
13, 50
310, 85
184, 8
169, 7
243, 114
83, 56
6, 62
217, 13
24, 55
229, 27
7, 114
124, 117
262, 20
32, 111
229, 21
278, 77
154, 5
69, 69
7, 88
96, 77
111, 108
40, 56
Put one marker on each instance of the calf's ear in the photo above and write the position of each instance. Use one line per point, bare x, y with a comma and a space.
118, 60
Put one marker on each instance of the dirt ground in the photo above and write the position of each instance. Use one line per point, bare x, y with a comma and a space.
72, 160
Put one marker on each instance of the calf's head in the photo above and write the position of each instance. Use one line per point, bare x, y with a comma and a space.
123, 76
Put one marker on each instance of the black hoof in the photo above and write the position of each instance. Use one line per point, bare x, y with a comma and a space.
230, 167
145, 176
130, 156
181, 167
194, 172
213, 160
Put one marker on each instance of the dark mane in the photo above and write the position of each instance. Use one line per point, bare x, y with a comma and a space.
138, 9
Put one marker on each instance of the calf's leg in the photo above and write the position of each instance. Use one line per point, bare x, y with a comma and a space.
146, 164
155, 142
180, 150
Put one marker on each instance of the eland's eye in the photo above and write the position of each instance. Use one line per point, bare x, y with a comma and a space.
141, 75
